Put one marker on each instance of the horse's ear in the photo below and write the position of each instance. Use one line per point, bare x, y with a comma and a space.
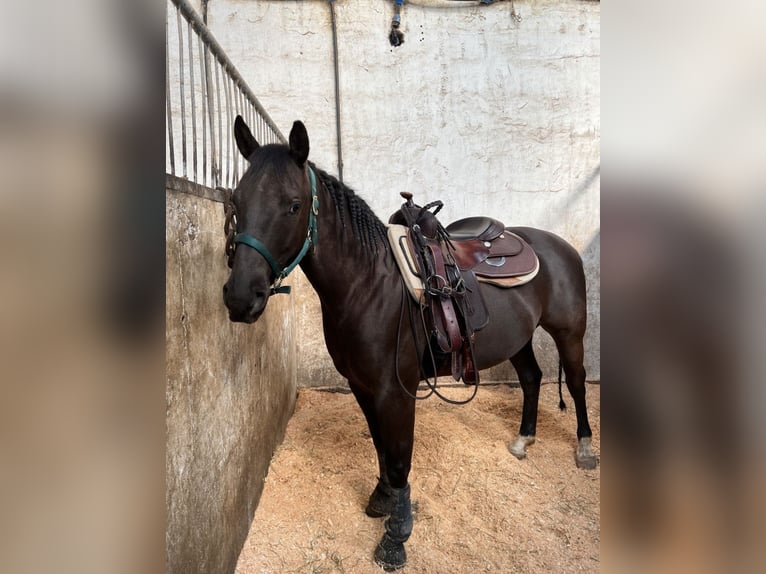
245, 140
299, 143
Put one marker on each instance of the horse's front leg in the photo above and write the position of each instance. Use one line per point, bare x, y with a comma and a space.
381, 500
395, 413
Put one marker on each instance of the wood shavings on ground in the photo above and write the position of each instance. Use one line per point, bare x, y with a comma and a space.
476, 507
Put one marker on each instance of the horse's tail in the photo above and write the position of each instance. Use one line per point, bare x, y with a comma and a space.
562, 404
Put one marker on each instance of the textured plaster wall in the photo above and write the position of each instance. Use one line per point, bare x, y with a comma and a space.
230, 392
492, 109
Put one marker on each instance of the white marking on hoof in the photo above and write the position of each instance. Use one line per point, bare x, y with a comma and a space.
585, 457
519, 446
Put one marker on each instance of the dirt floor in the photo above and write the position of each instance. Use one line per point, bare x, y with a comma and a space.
477, 508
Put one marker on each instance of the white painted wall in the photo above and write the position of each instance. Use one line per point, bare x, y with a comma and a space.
489, 113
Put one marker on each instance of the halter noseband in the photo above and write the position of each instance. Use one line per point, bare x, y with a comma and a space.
311, 239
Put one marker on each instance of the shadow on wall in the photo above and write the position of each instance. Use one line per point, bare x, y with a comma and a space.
591, 259
583, 186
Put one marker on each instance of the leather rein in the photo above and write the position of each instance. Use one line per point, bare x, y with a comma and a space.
233, 238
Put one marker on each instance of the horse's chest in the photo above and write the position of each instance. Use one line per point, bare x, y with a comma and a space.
353, 343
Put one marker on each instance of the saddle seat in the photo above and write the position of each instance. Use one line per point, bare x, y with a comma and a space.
485, 246
482, 228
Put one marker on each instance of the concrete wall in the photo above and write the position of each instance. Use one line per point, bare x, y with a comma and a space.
230, 392
492, 109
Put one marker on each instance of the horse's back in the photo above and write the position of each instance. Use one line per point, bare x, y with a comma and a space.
561, 281
550, 247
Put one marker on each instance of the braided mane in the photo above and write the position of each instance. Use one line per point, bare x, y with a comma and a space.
366, 226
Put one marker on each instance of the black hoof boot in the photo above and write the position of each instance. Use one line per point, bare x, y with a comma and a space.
390, 555
381, 501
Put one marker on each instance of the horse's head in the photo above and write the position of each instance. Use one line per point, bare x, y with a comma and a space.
274, 218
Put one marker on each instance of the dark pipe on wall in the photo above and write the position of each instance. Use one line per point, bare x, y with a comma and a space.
337, 88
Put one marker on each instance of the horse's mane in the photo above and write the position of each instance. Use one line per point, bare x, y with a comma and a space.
366, 226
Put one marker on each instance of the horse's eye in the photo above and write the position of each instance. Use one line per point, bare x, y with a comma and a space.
295, 208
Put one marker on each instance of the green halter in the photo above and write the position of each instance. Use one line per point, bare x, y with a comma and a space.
311, 239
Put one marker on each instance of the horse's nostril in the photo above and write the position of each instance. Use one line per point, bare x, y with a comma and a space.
225, 288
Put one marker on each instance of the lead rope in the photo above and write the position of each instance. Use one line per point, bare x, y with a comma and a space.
398, 343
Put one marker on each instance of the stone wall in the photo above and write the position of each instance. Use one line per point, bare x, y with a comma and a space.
494, 109
230, 391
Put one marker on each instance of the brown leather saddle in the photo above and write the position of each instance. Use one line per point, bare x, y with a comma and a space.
450, 262
489, 249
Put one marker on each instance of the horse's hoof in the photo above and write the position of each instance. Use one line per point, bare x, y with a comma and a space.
519, 454
519, 447
585, 457
587, 462
380, 504
390, 555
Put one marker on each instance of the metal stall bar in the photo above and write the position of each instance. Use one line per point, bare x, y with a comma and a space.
222, 93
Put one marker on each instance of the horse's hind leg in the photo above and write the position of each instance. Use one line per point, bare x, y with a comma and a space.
570, 347
381, 500
530, 376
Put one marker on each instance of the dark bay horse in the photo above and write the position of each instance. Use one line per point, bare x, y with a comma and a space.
290, 212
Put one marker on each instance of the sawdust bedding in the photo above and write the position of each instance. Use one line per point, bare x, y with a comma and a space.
477, 508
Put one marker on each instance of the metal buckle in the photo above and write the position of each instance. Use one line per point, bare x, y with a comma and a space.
445, 291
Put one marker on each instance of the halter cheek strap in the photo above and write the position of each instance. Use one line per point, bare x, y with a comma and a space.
311, 239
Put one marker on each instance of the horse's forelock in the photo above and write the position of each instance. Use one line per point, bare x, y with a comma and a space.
270, 161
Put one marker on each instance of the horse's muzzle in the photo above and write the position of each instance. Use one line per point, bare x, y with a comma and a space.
244, 309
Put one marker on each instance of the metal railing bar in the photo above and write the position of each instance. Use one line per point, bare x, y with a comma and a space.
219, 175
215, 48
180, 185
237, 109
251, 118
229, 123
234, 110
181, 84
168, 108
204, 109
235, 94
193, 102
249, 111
245, 114
237, 156
211, 117
241, 112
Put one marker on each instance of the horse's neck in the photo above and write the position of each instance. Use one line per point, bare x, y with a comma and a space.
340, 265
